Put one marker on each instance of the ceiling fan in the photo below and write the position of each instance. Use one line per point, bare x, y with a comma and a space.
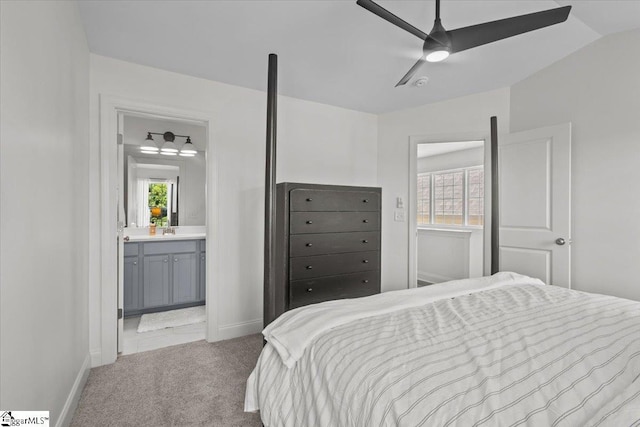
439, 43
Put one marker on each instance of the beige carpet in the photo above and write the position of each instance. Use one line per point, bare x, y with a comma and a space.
195, 384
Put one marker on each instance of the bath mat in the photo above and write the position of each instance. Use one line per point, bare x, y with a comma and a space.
172, 318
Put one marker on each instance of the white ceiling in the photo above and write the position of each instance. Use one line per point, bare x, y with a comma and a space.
337, 53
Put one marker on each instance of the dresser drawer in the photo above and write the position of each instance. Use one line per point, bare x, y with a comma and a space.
333, 200
331, 265
311, 291
333, 243
333, 222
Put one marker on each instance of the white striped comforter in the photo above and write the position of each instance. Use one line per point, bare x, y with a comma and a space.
514, 355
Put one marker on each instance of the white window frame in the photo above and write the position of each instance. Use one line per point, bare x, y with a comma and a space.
465, 200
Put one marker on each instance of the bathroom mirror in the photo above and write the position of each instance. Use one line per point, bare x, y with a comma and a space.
161, 189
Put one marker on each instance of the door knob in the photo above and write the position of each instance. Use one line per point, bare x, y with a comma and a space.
560, 241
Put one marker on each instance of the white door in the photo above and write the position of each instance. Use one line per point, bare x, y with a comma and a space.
120, 235
534, 169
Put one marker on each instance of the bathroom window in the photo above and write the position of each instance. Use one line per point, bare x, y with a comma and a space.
159, 202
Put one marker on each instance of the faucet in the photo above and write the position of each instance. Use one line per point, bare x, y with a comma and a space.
169, 230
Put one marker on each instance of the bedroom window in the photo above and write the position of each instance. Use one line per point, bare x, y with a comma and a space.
452, 198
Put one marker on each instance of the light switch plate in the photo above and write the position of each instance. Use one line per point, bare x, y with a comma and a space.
398, 215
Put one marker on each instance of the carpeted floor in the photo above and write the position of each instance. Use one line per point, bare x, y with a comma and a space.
195, 384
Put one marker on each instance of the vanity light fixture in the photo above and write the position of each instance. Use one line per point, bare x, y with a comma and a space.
188, 150
149, 146
169, 147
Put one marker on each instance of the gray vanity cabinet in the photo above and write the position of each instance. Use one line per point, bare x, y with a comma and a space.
163, 275
132, 283
185, 281
156, 281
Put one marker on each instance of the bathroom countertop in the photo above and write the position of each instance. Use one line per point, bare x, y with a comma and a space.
159, 237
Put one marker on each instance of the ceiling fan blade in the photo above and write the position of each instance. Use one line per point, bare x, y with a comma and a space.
388, 16
488, 32
403, 81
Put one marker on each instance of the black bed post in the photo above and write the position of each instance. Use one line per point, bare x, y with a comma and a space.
495, 214
270, 193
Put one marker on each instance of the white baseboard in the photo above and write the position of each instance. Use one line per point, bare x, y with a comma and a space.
239, 329
96, 358
71, 404
433, 277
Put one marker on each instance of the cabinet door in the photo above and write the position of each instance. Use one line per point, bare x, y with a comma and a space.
131, 284
156, 280
185, 283
203, 276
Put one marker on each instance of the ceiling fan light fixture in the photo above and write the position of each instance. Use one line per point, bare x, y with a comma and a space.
437, 55
439, 43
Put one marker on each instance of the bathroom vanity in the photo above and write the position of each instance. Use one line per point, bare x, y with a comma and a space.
163, 273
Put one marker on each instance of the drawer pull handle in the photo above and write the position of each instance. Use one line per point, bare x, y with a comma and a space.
309, 245
309, 199
165, 260
309, 267
365, 220
309, 222
175, 260
309, 289
135, 262
365, 201
365, 241
365, 261
365, 281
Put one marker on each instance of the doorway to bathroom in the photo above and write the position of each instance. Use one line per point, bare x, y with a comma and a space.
162, 255
108, 324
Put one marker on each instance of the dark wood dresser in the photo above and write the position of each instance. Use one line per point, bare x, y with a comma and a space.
328, 243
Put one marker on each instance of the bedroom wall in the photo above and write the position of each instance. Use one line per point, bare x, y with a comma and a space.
469, 114
316, 143
44, 167
598, 91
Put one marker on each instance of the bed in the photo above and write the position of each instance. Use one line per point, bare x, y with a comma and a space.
501, 350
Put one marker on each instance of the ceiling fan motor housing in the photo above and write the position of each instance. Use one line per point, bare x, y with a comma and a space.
438, 39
